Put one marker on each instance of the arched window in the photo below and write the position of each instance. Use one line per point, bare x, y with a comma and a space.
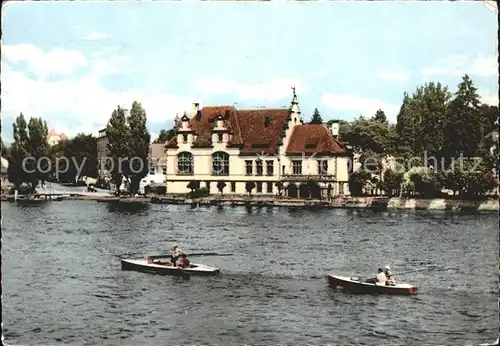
185, 164
220, 163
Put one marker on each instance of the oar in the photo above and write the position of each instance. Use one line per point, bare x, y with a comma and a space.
209, 254
195, 254
419, 270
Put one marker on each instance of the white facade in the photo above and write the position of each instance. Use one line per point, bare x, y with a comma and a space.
230, 164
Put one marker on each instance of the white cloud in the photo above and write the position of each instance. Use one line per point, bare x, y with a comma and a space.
85, 101
359, 105
58, 61
459, 65
394, 76
94, 35
272, 90
318, 74
489, 98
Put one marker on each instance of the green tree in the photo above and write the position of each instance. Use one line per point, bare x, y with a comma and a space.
426, 184
83, 147
60, 167
193, 185
38, 149
80, 155
357, 181
469, 178
316, 117
464, 132
249, 186
139, 140
16, 174
380, 116
421, 121
220, 186
118, 134
164, 136
392, 182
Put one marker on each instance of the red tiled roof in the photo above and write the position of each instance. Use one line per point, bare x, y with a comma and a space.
313, 138
248, 127
259, 131
257, 138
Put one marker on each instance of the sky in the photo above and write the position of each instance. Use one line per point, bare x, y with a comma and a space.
72, 63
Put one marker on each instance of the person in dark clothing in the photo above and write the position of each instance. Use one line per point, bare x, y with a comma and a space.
176, 252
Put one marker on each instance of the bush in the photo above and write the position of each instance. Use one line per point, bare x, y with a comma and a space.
249, 186
198, 193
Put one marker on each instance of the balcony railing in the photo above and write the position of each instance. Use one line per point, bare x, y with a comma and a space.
305, 177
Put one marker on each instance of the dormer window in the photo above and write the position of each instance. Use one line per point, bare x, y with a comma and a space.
267, 122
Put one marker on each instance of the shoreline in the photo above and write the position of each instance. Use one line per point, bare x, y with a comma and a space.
376, 202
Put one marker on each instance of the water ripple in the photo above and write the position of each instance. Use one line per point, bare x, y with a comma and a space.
70, 288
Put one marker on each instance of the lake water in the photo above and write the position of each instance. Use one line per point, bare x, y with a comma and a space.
62, 280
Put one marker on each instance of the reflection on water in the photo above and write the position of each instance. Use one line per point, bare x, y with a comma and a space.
127, 207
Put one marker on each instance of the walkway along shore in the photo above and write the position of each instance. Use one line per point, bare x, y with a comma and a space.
382, 203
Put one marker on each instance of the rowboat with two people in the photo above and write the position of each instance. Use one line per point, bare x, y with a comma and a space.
176, 263
383, 283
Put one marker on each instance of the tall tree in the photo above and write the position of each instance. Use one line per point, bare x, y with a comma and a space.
316, 117
139, 146
421, 120
83, 149
38, 148
380, 116
16, 174
118, 134
464, 131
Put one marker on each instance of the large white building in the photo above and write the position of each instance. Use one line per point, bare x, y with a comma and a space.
269, 147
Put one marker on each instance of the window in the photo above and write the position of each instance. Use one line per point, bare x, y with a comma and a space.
270, 167
152, 168
164, 170
220, 163
219, 137
249, 165
233, 186
341, 188
269, 187
185, 164
297, 167
267, 122
260, 167
185, 138
283, 170
322, 167
259, 187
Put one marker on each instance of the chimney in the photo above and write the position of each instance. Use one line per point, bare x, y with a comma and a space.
196, 108
335, 128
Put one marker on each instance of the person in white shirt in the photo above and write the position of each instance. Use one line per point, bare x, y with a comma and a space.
380, 279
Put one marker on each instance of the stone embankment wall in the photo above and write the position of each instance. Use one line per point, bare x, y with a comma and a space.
339, 202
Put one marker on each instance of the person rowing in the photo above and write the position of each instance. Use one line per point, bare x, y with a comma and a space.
389, 275
176, 252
